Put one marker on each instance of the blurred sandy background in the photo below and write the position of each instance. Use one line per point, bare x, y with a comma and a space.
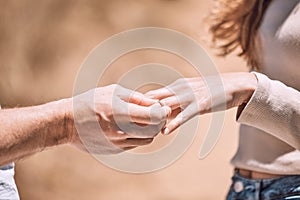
43, 43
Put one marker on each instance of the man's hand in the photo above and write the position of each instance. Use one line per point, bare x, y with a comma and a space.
112, 119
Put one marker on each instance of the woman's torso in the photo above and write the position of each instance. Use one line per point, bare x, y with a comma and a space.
280, 44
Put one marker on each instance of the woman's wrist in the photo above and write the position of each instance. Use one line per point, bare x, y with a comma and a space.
239, 87
248, 84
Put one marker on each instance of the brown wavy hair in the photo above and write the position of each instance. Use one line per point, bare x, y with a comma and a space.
234, 25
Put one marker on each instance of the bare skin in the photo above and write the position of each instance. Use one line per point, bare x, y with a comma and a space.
25, 131
191, 96
40, 56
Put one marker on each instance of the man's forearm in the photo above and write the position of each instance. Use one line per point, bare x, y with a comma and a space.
25, 131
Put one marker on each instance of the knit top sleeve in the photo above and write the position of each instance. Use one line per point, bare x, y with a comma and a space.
275, 109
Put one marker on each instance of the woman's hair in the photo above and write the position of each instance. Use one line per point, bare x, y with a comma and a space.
234, 24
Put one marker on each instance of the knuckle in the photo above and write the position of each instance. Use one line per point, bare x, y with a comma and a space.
158, 117
180, 81
112, 86
163, 102
150, 93
116, 87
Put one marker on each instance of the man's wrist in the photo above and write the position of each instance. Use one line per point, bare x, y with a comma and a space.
62, 122
68, 119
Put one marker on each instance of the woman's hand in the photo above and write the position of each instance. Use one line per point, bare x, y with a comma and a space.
188, 97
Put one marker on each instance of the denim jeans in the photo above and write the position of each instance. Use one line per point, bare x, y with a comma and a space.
283, 188
8, 188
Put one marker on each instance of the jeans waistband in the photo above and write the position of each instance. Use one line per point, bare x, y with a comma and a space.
256, 189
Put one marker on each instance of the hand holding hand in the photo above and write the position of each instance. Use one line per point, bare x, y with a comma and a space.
127, 119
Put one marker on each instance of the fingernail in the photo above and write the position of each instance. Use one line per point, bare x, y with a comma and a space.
120, 132
166, 131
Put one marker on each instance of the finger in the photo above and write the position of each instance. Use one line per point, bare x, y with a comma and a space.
180, 119
172, 102
174, 113
137, 98
128, 148
116, 135
132, 142
139, 141
160, 93
154, 114
178, 101
134, 130
169, 90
